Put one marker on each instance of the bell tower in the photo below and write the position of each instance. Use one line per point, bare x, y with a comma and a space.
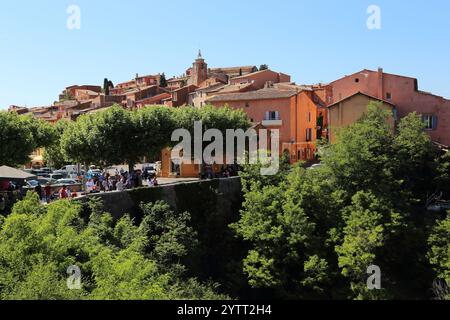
199, 70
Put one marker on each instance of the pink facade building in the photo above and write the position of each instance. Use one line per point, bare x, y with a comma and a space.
401, 91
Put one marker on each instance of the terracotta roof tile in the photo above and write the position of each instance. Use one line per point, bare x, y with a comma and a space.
255, 95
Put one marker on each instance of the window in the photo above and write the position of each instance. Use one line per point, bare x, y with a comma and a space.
272, 115
247, 105
309, 134
430, 122
357, 80
388, 96
299, 155
309, 116
395, 114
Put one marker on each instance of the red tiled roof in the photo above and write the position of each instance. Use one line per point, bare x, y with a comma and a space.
364, 94
262, 94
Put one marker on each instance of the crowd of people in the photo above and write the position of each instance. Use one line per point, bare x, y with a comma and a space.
96, 181
9, 193
48, 194
120, 181
226, 171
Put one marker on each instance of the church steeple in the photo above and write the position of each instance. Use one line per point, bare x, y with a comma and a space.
199, 70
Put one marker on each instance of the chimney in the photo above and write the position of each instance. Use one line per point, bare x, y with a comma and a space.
380, 84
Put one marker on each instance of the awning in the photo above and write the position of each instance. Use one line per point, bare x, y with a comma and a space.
11, 173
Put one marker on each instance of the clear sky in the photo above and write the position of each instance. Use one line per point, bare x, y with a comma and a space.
314, 41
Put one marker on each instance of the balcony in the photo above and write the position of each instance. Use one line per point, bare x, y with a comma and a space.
272, 122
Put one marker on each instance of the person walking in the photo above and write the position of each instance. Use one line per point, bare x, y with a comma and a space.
154, 182
38, 190
63, 194
120, 185
48, 192
105, 185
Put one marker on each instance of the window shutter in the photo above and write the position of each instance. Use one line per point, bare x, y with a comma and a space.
277, 115
435, 121
267, 115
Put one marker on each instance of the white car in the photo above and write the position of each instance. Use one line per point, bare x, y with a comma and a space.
66, 182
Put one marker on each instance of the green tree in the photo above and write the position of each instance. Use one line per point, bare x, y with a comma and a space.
118, 136
20, 136
211, 118
53, 153
287, 252
413, 146
155, 126
16, 140
439, 253
313, 233
67, 96
369, 222
104, 138
38, 243
106, 86
263, 67
163, 81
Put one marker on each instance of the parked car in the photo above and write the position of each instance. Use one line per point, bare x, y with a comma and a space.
32, 183
66, 181
96, 172
45, 181
149, 171
75, 175
56, 176
39, 173
71, 168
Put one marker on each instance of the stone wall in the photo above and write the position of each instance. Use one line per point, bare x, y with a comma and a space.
215, 197
213, 205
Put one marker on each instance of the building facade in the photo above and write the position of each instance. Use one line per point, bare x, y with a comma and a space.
404, 93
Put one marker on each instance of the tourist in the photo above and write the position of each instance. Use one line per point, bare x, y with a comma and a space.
139, 179
129, 183
105, 184
111, 184
120, 185
101, 179
63, 194
89, 185
154, 182
48, 192
38, 190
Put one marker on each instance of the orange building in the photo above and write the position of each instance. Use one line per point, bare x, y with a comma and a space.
293, 112
173, 167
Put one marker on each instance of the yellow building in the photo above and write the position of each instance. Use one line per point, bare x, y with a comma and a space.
348, 110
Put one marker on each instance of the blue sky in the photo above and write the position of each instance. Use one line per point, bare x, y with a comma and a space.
314, 41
